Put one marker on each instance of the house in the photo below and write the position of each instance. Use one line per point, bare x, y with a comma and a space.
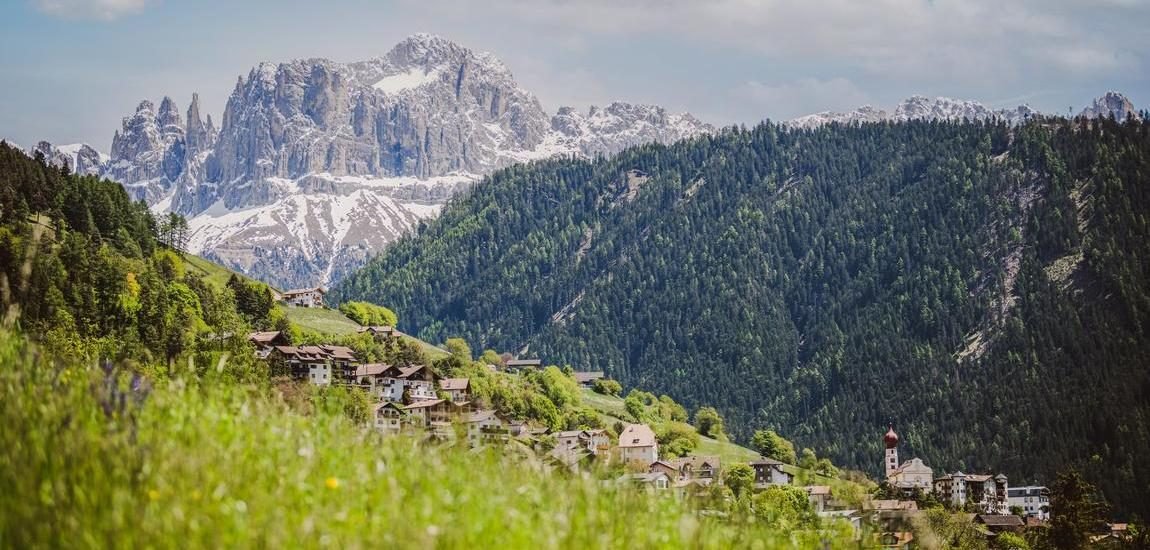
893, 514
637, 444
587, 379
657, 481
436, 414
382, 333
520, 365
304, 297
819, 497
485, 426
1034, 501
664, 467
264, 342
321, 365
576, 442
901, 540
390, 383
457, 389
986, 492
769, 471
389, 417
998, 523
699, 468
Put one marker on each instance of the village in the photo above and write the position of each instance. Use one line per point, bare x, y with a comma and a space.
415, 400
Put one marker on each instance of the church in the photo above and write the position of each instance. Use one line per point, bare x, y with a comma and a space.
908, 476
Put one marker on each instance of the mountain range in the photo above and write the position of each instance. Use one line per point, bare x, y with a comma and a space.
315, 165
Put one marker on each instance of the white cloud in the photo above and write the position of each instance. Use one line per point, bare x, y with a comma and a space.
105, 10
962, 39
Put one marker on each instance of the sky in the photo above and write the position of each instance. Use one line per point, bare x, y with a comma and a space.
71, 69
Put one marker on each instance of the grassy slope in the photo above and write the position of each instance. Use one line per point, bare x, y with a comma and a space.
213, 463
612, 410
215, 274
324, 321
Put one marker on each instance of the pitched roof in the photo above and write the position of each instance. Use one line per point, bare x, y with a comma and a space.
339, 352
265, 337
649, 477
406, 372
424, 404
318, 289
696, 462
584, 377
637, 435
764, 461
450, 384
371, 369
385, 329
818, 490
995, 520
482, 415
524, 363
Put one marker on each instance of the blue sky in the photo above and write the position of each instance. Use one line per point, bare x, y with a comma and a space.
70, 69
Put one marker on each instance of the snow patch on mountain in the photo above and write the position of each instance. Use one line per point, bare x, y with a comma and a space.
412, 78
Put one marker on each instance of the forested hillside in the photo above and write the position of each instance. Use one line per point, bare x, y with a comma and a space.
982, 286
86, 271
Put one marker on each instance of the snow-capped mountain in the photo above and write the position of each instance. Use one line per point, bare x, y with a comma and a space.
317, 164
1113, 104
80, 158
918, 108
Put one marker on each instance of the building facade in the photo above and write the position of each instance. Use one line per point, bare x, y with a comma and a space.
1034, 501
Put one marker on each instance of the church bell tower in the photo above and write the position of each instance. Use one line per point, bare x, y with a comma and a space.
891, 459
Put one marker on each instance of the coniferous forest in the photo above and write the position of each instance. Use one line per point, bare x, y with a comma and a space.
986, 288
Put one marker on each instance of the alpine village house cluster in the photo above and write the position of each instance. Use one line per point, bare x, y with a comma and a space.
416, 400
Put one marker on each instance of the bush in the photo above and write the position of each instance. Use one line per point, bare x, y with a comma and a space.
606, 386
708, 422
369, 314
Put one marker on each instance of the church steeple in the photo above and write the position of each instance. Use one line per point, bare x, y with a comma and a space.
890, 440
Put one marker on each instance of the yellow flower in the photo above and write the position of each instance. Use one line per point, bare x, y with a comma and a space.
153, 494
196, 494
332, 483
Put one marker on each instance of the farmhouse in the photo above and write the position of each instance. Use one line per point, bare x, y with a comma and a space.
520, 365
587, 379
637, 444
391, 383
769, 471
304, 297
264, 342
457, 389
321, 365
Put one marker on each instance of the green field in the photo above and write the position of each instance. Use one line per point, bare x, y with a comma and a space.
322, 320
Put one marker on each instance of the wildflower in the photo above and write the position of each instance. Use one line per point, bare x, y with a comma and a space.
153, 494
332, 483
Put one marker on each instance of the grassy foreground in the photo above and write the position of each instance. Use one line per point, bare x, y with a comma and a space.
206, 461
